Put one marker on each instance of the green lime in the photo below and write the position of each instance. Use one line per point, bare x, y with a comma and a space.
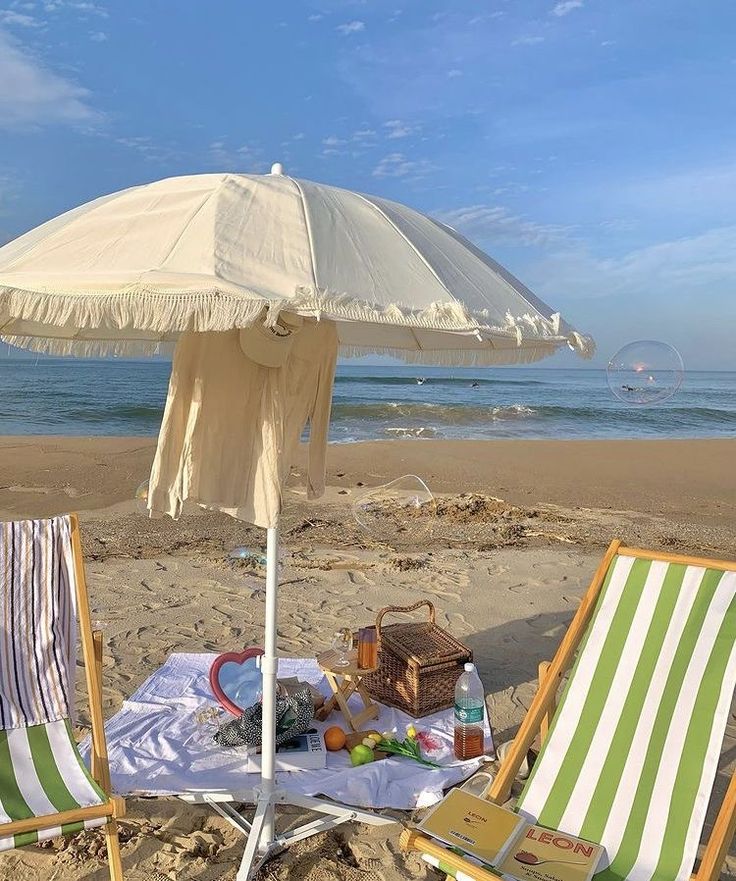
361, 755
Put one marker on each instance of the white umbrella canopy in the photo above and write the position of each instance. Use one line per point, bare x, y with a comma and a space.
128, 272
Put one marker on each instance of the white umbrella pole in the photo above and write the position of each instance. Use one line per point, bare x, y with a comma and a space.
269, 668
261, 834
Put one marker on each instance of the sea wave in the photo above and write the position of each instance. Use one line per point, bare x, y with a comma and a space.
425, 412
668, 416
126, 398
454, 381
401, 432
149, 415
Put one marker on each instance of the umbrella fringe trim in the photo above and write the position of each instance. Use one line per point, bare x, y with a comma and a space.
136, 308
485, 355
481, 357
176, 311
77, 348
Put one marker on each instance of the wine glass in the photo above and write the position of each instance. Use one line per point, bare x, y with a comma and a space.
209, 719
342, 642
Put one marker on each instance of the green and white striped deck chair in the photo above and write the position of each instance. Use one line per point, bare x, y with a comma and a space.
632, 753
45, 787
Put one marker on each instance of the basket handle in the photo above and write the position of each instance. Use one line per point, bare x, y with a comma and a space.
387, 609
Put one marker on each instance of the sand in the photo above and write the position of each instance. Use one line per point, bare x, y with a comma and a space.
505, 568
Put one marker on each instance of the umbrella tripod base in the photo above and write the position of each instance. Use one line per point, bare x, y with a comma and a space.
257, 852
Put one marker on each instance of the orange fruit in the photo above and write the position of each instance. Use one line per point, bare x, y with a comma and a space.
334, 738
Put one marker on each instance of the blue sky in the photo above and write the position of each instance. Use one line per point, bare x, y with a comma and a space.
589, 145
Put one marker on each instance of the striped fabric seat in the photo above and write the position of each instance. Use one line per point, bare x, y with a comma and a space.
42, 773
38, 628
632, 754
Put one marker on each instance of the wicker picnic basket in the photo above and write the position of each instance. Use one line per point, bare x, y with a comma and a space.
418, 664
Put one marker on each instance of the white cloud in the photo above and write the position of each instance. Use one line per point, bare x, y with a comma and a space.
398, 165
9, 194
681, 291
364, 134
455, 72
83, 7
351, 27
497, 223
702, 193
484, 17
333, 146
619, 225
397, 128
565, 7
687, 266
98, 37
31, 94
316, 17
527, 41
9, 18
245, 159
149, 149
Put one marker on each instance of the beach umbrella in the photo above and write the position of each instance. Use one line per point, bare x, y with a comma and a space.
129, 273
126, 273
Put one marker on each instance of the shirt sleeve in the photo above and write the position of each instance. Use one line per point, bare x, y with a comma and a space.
164, 486
319, 418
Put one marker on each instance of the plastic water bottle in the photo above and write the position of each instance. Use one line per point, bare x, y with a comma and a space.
470, 708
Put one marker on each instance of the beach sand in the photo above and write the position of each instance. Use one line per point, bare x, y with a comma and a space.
521, 527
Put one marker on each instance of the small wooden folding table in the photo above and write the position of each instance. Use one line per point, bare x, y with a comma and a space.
345, 681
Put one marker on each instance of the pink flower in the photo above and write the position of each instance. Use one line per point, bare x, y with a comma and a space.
428, 742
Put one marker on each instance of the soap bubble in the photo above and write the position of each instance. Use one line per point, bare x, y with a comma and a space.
141, 496
645, 372
402, 512
248, 555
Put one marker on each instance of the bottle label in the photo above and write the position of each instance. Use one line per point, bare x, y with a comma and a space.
468, 715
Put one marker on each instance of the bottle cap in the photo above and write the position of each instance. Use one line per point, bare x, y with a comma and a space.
469, 667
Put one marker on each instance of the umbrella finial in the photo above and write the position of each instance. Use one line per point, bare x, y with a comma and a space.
277, 168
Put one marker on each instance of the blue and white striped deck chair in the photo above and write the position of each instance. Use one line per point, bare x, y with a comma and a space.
631, 756
45, 788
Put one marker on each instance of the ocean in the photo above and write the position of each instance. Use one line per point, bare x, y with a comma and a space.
118, 397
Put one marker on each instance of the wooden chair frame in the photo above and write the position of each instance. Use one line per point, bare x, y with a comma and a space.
92, 653
542, 709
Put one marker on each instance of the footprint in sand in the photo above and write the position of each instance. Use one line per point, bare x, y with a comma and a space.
41, 490
457, 623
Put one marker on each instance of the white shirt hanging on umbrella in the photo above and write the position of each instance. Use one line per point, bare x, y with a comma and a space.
237, 405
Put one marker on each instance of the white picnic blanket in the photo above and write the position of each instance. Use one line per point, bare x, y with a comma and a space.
157, 747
